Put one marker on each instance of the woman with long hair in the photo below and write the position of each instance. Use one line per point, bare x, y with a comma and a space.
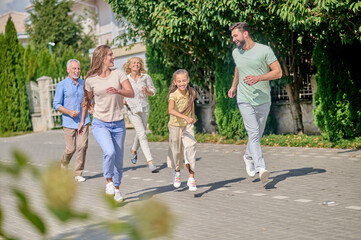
106, 88
138, 107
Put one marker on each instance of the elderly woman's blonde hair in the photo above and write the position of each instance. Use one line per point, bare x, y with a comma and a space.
126, 66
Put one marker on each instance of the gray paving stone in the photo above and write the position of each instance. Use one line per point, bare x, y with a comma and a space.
226, 205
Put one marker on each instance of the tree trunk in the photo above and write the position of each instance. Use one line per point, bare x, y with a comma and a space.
212, 103
295, 107
293, 90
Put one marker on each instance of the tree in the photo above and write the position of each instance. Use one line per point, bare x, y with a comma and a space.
189, 33
29, 63
337, 99
14, 102
194, 33
52, 21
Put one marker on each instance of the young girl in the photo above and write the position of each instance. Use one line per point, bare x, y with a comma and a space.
107, 88
182, 143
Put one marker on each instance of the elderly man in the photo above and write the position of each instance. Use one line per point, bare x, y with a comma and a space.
68, 98
256, 65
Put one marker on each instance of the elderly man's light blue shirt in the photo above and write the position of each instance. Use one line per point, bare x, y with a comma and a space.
70, 96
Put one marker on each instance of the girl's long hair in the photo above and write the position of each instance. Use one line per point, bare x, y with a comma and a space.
96, 68
126, 66
191, 91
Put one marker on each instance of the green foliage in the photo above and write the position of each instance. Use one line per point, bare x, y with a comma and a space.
161, 76
28, 213
29, 64
338, 102
52, 21
229, 119
55, 65
14, 104
158, 116
150, 218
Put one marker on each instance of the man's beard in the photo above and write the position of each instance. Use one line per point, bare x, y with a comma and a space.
241, 44
75, 77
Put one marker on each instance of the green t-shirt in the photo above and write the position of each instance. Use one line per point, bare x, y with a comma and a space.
256, 62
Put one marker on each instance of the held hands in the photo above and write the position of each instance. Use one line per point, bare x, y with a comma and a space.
251, 80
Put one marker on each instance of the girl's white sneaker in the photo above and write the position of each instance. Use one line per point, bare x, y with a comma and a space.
176, 180
192, 184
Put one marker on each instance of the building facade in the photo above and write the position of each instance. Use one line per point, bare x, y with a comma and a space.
19, 20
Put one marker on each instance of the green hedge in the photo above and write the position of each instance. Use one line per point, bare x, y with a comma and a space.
159, 117
14, 104
337, 99
228, 117
161, 75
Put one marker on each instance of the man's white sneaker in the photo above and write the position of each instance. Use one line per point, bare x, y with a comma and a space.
80, 179
176, 180
251, 171
109, 188
117, 196
264, 175
192, 184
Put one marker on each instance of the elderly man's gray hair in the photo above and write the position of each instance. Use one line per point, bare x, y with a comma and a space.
72, 60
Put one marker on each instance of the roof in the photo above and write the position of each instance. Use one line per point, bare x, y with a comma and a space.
18, 19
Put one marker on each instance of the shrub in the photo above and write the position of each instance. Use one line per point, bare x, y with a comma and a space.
228, 117
158, 116
337, 99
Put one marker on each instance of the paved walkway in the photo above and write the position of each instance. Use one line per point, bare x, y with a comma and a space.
227, 205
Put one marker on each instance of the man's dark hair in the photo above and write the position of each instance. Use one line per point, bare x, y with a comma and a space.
241, 26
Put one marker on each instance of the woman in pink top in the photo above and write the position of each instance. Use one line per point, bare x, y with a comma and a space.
106, 88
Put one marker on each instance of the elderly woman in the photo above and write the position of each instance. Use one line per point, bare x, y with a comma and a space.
138, 107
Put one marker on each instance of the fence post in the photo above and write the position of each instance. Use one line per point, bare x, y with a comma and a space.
45, 102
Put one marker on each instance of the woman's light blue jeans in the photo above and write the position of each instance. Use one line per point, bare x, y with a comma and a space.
110, 136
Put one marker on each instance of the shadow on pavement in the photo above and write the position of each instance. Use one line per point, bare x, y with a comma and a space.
160, 167
291, 173
94, 176
150, 192
349, 150
216, 185
89, 232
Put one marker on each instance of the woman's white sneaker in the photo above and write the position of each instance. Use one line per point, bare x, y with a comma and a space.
109, 188
117, 196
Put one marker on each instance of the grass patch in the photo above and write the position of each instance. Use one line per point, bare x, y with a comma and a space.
13, 134
288, 140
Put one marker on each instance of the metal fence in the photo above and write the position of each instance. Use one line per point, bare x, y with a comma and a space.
280, 94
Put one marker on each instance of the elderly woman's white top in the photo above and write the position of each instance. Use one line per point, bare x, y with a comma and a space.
140, 101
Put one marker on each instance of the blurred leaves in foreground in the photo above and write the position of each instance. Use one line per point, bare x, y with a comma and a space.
149, 218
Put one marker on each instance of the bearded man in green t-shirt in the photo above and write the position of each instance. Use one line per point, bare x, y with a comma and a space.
256, 65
